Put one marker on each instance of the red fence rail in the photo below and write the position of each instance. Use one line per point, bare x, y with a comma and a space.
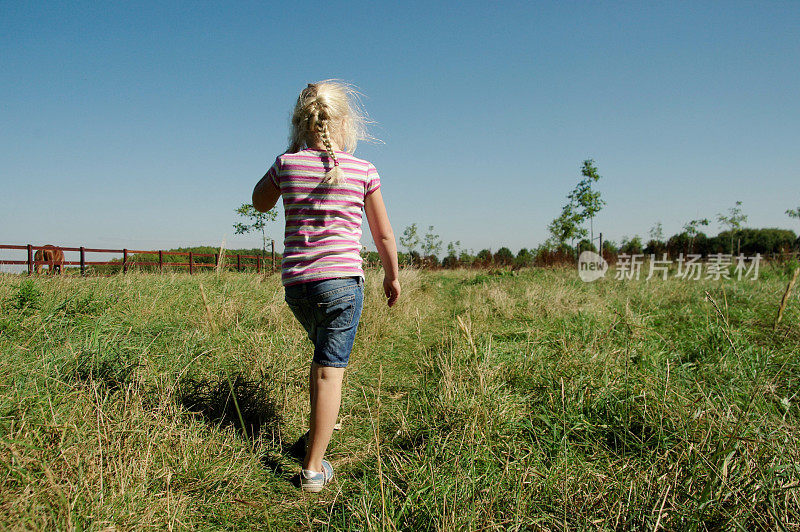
127, 263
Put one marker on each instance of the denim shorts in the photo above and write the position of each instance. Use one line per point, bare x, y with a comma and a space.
329, 311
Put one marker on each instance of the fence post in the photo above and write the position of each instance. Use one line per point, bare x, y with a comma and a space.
238, 262
258, 264
216, 260
125, 260
190, 263
600, 249
83, 261
272, 253
160, 260
30, 259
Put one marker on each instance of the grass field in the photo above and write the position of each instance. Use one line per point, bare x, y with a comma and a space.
483, 401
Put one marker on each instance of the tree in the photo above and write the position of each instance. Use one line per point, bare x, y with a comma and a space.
413, 258
451, 260
631, 246
432, 244
733, 220
692, 229
566, 227
683, 243
371, 258
484, 257
656, 244
410, 239
453, 248
657, 232
524, 258
466, 257
584, 203
795, 213
586, 199
586, 245
503, 256
258, 222
609, 246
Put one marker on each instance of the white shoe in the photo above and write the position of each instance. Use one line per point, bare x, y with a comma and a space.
313, 481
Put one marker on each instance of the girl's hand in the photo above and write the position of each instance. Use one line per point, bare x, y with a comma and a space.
392, 290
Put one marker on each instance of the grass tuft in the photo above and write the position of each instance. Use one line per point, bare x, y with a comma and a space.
244, 403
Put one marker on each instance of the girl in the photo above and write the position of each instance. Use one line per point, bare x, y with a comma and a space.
324, 190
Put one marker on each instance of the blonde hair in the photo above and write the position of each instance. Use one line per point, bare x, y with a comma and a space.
329, 109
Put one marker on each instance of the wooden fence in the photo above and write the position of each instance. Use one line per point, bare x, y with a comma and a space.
241, 261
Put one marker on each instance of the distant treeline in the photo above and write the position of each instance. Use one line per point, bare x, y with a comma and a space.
766, 241
747, 241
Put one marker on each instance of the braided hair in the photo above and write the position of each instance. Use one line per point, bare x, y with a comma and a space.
328, 111
335, 175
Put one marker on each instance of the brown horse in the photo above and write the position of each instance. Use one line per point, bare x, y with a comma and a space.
53, 256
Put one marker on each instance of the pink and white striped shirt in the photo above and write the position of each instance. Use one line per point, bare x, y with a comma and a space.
323, 222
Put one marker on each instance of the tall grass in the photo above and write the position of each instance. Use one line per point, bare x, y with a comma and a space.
481, 401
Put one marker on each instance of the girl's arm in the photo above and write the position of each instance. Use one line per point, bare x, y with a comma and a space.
383, 237
266, 194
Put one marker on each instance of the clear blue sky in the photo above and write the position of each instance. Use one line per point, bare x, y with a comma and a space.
146, 125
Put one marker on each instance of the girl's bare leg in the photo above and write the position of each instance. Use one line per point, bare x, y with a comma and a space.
325, 386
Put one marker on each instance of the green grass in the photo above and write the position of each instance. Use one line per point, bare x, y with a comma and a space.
481, 401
